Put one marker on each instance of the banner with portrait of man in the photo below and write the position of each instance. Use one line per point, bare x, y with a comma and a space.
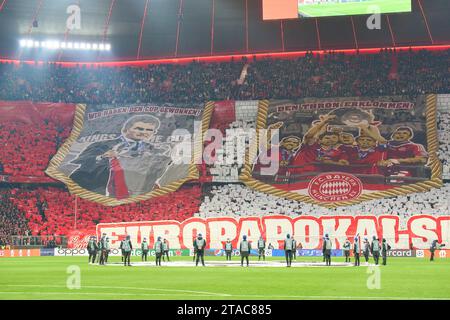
342, 151
124, 154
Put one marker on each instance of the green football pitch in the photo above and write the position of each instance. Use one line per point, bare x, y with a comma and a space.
48, 278
353, 8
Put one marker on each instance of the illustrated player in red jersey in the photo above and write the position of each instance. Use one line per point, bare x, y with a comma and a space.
366, 155
319, 145
370, 151
347, 141
400, 149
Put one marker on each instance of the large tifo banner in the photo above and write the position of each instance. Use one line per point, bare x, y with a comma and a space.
420, 232
124, 154
342, 151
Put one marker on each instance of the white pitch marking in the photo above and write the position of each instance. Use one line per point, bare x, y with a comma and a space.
271, 264
120, 288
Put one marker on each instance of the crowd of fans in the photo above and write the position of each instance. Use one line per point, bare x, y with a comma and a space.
156, 83
12, 219
51, 210
330, 75
339, 75
26, 149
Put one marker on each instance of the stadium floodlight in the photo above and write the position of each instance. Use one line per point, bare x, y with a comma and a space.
56, 45
52, 45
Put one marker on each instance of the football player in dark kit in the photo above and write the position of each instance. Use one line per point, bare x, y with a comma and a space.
199, 247
385, 247
92, 249
288, 247
375, 249
195, 250
327, 250
126, 246
165, 250
366, 250
434, 246
144, 249
346, 247
244, 250
102, 250
159, 251
228, 249
261, 248
323, 249
356, 249
294, 250
107, 249
121, 250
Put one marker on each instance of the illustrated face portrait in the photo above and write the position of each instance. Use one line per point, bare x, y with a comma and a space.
401, 135
329, 140
290, 143
366, 142
141, 131
346, 138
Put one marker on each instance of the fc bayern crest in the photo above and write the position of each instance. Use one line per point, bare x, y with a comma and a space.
335, 186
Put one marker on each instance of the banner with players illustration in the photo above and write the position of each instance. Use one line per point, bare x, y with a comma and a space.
342, 151
125, 154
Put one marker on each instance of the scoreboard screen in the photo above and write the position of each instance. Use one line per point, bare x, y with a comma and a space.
290, 9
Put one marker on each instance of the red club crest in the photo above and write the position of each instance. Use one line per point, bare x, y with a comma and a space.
335, 186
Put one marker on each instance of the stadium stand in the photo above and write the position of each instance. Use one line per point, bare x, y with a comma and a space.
12, 219
240, 201
50, 210
329, 75
27, 149
168, 83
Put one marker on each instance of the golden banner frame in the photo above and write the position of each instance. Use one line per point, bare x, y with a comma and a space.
433, 162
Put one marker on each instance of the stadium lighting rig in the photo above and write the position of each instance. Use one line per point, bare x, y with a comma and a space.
63, 45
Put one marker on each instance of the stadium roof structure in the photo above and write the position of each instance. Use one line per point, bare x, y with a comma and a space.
155, 29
